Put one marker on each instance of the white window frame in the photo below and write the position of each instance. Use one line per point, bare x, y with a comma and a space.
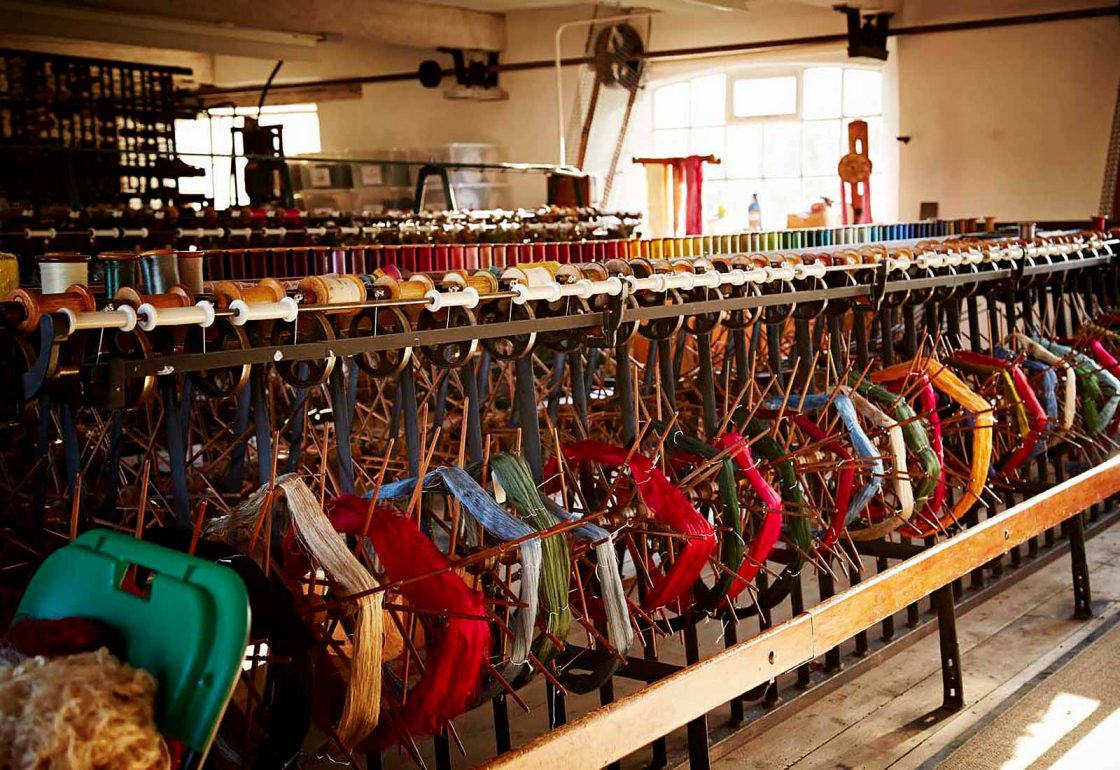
796, 70
219, 166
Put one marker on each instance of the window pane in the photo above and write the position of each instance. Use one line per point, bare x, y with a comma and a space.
755, 97
301, 131
863, 92
813, 188
736, 200
715, 206
744, 151
671, 143
820, 146
709, 100
781, 145
670, 106
708, 141
821, 97
777, 198
874, 139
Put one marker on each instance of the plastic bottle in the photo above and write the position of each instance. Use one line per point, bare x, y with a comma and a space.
754, 213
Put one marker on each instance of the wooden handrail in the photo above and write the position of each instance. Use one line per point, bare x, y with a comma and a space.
613, 731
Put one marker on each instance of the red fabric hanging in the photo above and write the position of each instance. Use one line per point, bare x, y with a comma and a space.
694, 195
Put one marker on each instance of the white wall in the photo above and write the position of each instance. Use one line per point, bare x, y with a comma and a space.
1011, 122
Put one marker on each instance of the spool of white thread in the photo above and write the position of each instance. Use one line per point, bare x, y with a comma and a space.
468, 298
734, 277
151, 317
57, 271
612, 287
123, 318
654, 283
682, 281
758, 275
532, 284
581, 288
813, 270
954, 259
898, 264
285, 310
782, 273
930, 260
707, 280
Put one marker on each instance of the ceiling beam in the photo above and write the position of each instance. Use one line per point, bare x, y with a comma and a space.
386, 21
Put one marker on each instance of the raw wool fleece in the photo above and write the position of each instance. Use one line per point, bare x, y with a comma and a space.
79, 712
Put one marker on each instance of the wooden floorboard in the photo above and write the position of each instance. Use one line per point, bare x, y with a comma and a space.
876, 721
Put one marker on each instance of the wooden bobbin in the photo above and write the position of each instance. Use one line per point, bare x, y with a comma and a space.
551, 267
333, 290
34, 303
414, 288
484, 282
176, 296
594, 271
265, 290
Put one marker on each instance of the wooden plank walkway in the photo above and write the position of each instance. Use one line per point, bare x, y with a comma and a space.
879, 720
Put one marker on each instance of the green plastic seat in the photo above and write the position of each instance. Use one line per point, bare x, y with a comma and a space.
190, 630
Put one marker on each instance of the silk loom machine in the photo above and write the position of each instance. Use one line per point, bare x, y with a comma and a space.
458, 472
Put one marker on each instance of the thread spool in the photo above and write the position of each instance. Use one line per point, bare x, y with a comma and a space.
390, 287
533, 283
191, 270
484, 282
780, 273
265, 290
123, 318
151, 317
550, 267
930, 260
122, 268
466, 297
285, 309
60, 269
655, 283
178, 296
899, 263
705, 275
332, 289
680, 276
802, 271
9, 273
160, 270
34, 303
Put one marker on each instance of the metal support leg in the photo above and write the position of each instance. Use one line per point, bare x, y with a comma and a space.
500, 708
442, 748
698, 758
1082, 594
951, 680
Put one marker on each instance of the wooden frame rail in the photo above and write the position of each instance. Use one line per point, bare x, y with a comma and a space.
613, 731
